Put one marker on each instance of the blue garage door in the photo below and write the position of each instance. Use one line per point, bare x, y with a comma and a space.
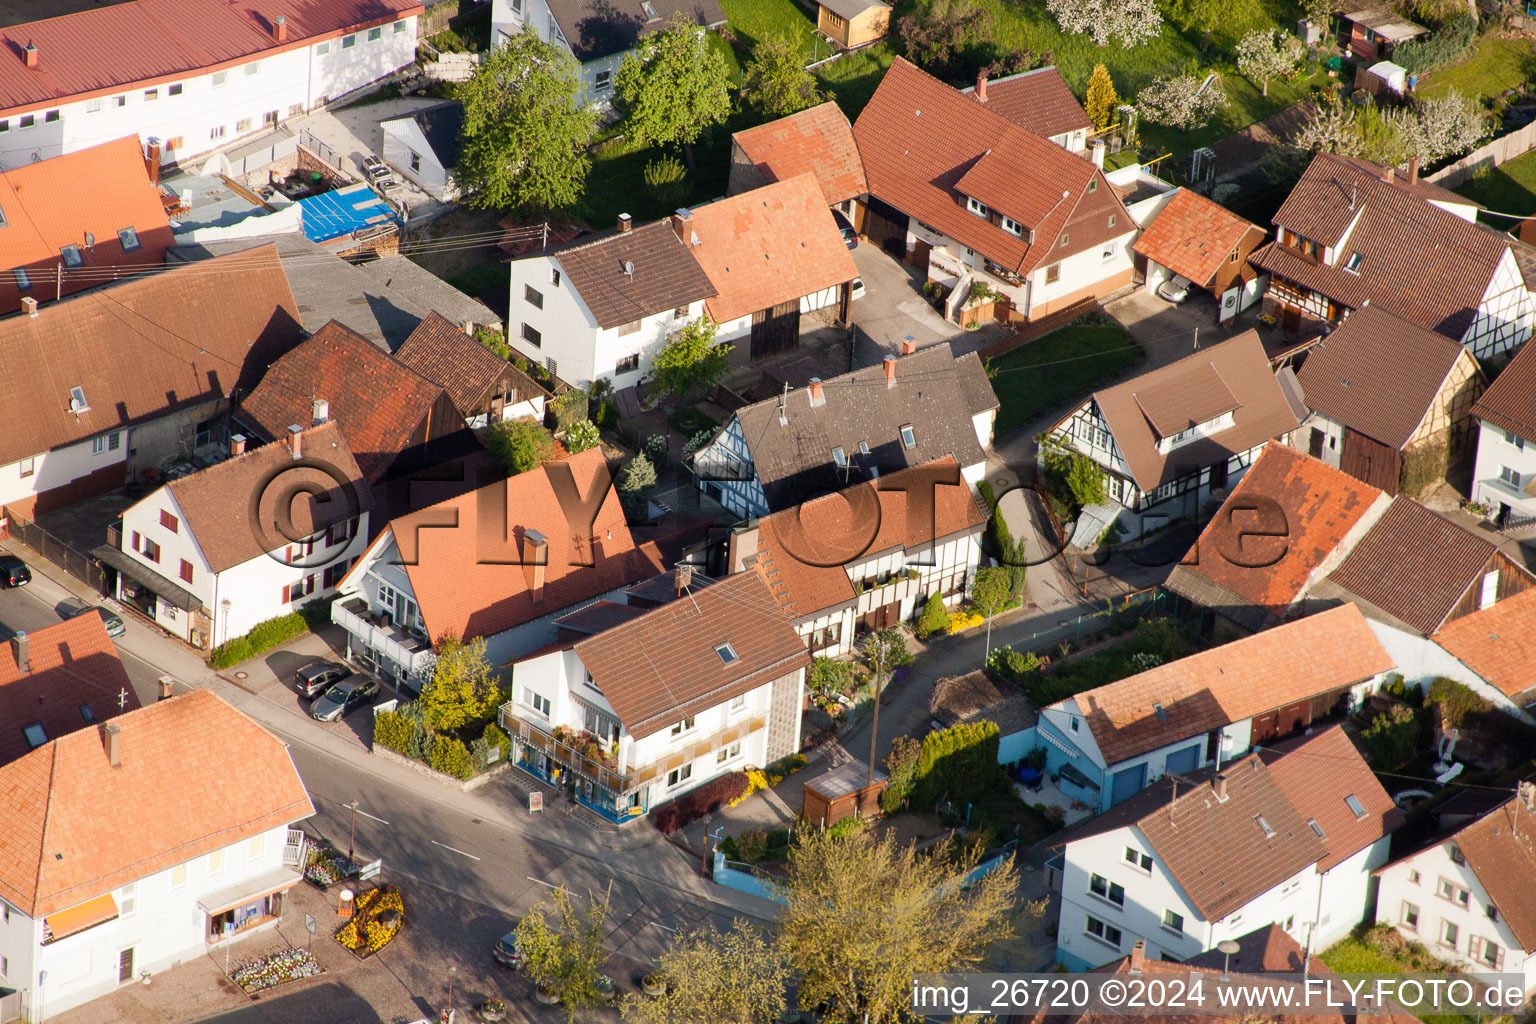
1128, 783
1184, 760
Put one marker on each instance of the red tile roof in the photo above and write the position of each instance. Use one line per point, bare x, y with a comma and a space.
1419, 261
1180, 391
1193, 236
380, 403
1278, 527
72, 665
818, 140
78, 827
1414, 565
99, 51
142, 349
1500, 848
1037, 101
1226, 684
1510, 401
1378, 374
215, 502
91, 193
1318, 775
919, 138
464, 590
804, 550
1498, 643
466, 369
774, 244
664, 666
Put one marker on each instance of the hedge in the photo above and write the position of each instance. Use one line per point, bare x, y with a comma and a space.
696, 803
957, 762
450, 757
1441, 47
393, 730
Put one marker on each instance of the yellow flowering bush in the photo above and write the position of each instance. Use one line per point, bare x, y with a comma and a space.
377, 917
756, 782
961, 621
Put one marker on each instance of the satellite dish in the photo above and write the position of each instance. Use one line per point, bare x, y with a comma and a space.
629, 268
37, 155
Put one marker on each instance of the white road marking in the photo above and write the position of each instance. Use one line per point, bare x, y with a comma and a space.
381, 821
549, 885
658, 924
461, 853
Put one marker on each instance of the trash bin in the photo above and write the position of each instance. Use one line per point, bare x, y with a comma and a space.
344, 903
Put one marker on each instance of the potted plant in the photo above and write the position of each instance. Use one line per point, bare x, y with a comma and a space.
653, 985
545, 995
605, 988
492, 1010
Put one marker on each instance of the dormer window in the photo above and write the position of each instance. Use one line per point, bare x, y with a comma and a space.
978, 208
1353, 263
1063, 243
1013, 227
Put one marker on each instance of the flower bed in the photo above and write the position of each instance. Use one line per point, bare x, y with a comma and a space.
327, 867
377, 916
270, 971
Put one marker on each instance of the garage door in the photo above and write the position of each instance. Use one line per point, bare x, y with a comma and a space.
776, 329
1128, 783
886, 226
1184, 760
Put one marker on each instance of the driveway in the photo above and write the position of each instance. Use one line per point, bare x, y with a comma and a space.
1168, 332
894, 308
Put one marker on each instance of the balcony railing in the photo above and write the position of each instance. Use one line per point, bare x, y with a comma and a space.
594, 770
369, 630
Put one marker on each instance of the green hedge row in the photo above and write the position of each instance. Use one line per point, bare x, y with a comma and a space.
403, 732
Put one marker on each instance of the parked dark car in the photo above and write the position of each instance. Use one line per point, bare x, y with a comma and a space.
845, 228
506, 951
14, 572
110, 619
317, 678
342, 698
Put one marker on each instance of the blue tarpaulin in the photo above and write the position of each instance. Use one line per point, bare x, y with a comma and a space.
343, 211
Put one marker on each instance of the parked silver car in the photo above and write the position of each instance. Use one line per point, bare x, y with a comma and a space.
342, 698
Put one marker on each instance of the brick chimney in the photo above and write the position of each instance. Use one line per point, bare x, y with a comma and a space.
296, 441
1389, 173
280, 29
1219, 787
890, 371
682, 223
322, 412
682, 575
29, 305
1413, 170
236, 444
535, 562
152, 161
625, 222
908, 346
741, 546
30, 54
817, 396
114, 746
1138, 956
981, 87
23, 656
1096, 150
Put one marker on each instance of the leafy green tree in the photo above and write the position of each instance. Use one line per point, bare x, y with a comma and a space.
865, 916
934, 618
569, 407
1266, 53
519, 445
580, 436
562, 948
1205, 15
1099, 101
735, 978
494, 341
525, 136
776, 82
828, 676
667, 179
690, 360
463, 688
901, 771
886, 648
936, 34
672, 88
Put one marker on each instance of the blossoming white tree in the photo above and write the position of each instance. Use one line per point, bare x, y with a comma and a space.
1180, 101
1127, 22
1264, 54
1435, 129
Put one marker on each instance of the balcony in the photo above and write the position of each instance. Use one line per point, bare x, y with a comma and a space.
372, 632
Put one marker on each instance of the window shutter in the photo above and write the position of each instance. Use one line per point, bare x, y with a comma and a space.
286, 598
288, 554
135, 540
330, 535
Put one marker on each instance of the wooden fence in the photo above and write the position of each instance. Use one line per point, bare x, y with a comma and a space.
1500, 151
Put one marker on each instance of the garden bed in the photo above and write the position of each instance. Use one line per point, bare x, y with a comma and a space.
377, 917
327, 866
275, 969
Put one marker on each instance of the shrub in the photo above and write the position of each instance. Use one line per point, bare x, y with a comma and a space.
697, 441
1163, 637
1440, 47
828, 676
1392, 738
1015, 665
568, 408
901, 769
392, 731
666, 178
451, 757
519, 445
607, 415
658, 451
961, 621
934, 618
580, 436
696, 803
958, 762
495, 736
751, 845
262, 636
1457, 702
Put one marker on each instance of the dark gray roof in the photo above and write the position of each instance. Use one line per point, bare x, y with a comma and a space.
665, 274
936, 393
441, 123
600, 28
384, 301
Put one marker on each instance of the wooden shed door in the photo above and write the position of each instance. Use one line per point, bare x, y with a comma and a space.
776, 329
886, 226
1366, 459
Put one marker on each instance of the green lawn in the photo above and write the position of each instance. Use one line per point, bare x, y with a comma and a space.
1353, 956
1069, 363
755, 20
1490, 67
1245, 105
1509, 188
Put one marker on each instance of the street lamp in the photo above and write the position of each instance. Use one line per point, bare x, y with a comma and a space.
352, 832
447, 1014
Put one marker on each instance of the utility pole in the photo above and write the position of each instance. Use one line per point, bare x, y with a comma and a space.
874, 725
352, 832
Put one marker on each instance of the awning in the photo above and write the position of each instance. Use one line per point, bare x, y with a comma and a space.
137, 571
249, 890
77, 919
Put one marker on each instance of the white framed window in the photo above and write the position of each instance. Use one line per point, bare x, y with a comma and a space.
1509, 476
93, 106
1510, 437
727, 655
537, 701
683, 726
738, 702
908, 436
375, 34
1138, 860
1449, 890
1104, 889
729, 753
1414, 877
178, 876
323, 49
220, 79
1108, 252
243, 125
1173, 922
216, 132
1450, 934
215, 862
1410, 915
1355, 806
128, 899
1352, 264
257, 846
415, 161
347, 42
679, 775
252, 68
1490, 592
976, 206
400, 27
28, 465
1013, 227
1107, 933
